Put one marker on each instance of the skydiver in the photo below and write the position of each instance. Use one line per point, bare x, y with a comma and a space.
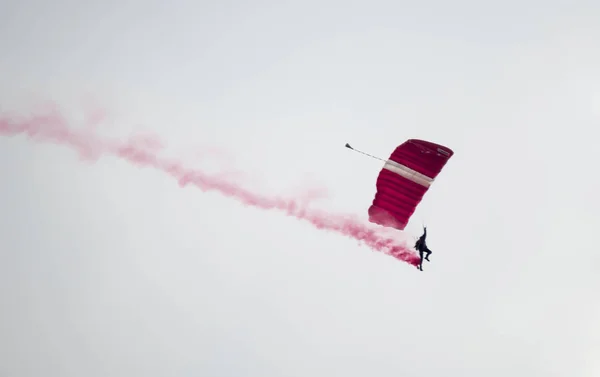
421, 246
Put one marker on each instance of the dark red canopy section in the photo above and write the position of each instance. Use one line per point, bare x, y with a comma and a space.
404, 180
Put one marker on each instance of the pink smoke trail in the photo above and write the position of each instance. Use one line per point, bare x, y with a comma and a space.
51, 126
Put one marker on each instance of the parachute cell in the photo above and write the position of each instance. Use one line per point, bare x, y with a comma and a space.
404, 180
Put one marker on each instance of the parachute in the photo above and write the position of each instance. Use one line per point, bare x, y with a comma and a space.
404, 179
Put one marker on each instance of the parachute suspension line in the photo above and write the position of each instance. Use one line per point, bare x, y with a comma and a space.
391, 162
410, 174
366, 154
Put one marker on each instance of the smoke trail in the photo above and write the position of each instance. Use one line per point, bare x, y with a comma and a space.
51, 126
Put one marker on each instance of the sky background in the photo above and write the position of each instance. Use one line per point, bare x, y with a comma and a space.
111, 270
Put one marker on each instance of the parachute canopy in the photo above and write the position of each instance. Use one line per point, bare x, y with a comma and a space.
404, 180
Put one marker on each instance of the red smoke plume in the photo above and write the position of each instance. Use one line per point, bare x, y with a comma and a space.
51, 126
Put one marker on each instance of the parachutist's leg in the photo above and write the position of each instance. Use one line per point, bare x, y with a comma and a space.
428, 252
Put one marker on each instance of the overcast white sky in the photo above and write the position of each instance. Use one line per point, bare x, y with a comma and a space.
109, 270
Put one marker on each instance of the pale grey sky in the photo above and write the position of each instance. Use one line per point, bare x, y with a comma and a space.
109, 270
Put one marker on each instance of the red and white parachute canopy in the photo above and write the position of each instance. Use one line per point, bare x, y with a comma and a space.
404, 179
